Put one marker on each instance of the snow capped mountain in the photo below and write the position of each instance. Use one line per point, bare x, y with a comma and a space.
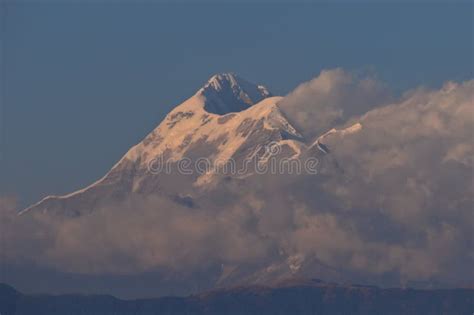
227, 118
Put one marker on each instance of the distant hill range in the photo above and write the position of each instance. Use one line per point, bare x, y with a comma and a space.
290, 298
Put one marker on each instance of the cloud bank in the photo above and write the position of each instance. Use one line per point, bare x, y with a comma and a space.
331, 99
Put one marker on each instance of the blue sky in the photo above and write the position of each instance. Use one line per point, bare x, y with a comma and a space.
84, 82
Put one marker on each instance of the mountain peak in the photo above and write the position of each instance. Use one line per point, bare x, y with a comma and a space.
217, 81
227, 92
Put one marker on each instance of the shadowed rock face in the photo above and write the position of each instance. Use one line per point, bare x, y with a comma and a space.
228, 93
304, 297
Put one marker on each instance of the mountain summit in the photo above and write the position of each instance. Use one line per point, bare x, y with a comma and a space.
227, 92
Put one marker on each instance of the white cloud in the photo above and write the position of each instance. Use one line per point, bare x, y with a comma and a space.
331, 99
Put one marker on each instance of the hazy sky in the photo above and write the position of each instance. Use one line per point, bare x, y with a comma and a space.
85, 82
